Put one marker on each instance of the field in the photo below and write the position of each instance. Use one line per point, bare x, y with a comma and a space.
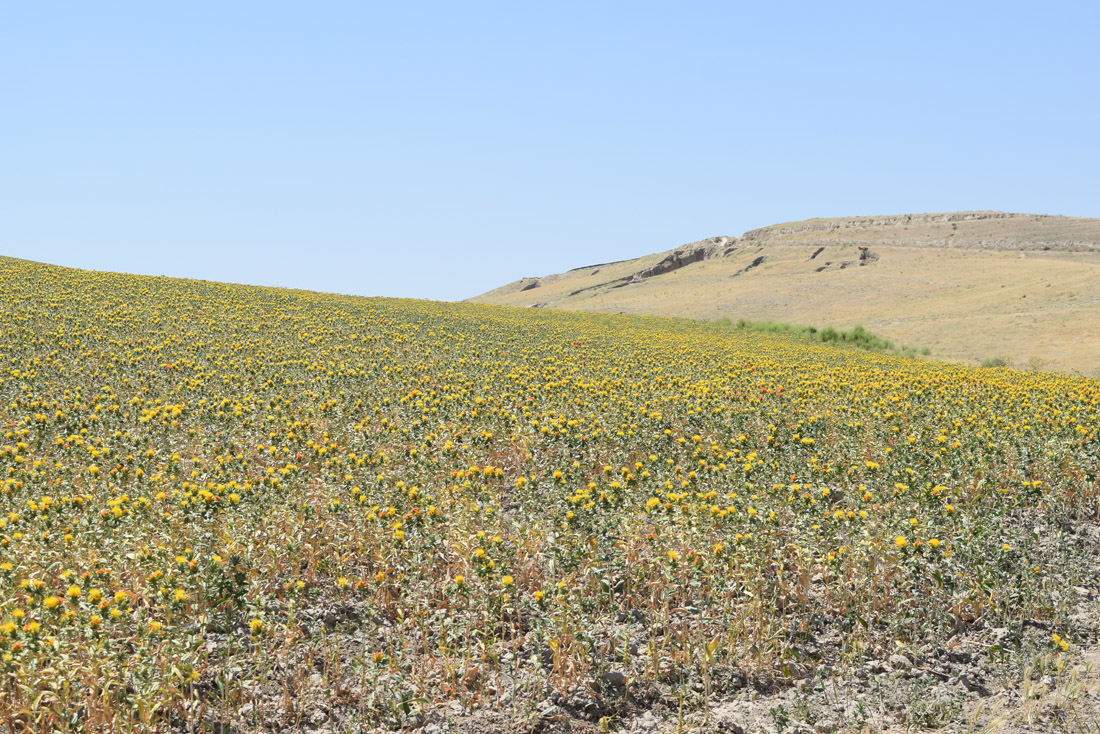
969, 287
231, 508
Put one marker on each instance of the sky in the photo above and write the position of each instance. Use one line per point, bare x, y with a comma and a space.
439, 150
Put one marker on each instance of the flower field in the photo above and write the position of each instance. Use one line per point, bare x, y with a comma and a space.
287, 509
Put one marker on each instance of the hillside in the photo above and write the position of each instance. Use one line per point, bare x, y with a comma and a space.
969, 285
233, 508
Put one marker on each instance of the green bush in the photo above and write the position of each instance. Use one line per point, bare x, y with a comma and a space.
857, 337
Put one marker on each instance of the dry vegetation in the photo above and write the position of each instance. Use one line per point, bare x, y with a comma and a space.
969, 287
241, 509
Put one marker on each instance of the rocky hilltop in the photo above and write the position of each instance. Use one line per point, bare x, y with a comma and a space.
979, 230
997, 231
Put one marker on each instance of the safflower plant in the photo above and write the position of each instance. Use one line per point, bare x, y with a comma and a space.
211, 492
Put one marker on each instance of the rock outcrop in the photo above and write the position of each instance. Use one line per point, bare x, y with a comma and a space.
970, 230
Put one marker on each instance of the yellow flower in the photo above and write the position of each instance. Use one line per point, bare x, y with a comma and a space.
51, 602
74, 592
180, 595
507, 581
901, 542
460, 579
255, 626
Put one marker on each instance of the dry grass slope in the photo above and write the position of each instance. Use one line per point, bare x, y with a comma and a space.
969, 285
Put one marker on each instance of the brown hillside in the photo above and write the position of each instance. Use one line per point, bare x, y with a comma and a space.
968, 285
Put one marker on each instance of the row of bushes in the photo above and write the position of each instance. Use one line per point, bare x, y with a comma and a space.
856, 337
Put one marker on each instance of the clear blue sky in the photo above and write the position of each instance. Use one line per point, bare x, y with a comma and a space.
437, 150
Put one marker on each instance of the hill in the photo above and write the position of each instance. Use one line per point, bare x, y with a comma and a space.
969, 285
232, 508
